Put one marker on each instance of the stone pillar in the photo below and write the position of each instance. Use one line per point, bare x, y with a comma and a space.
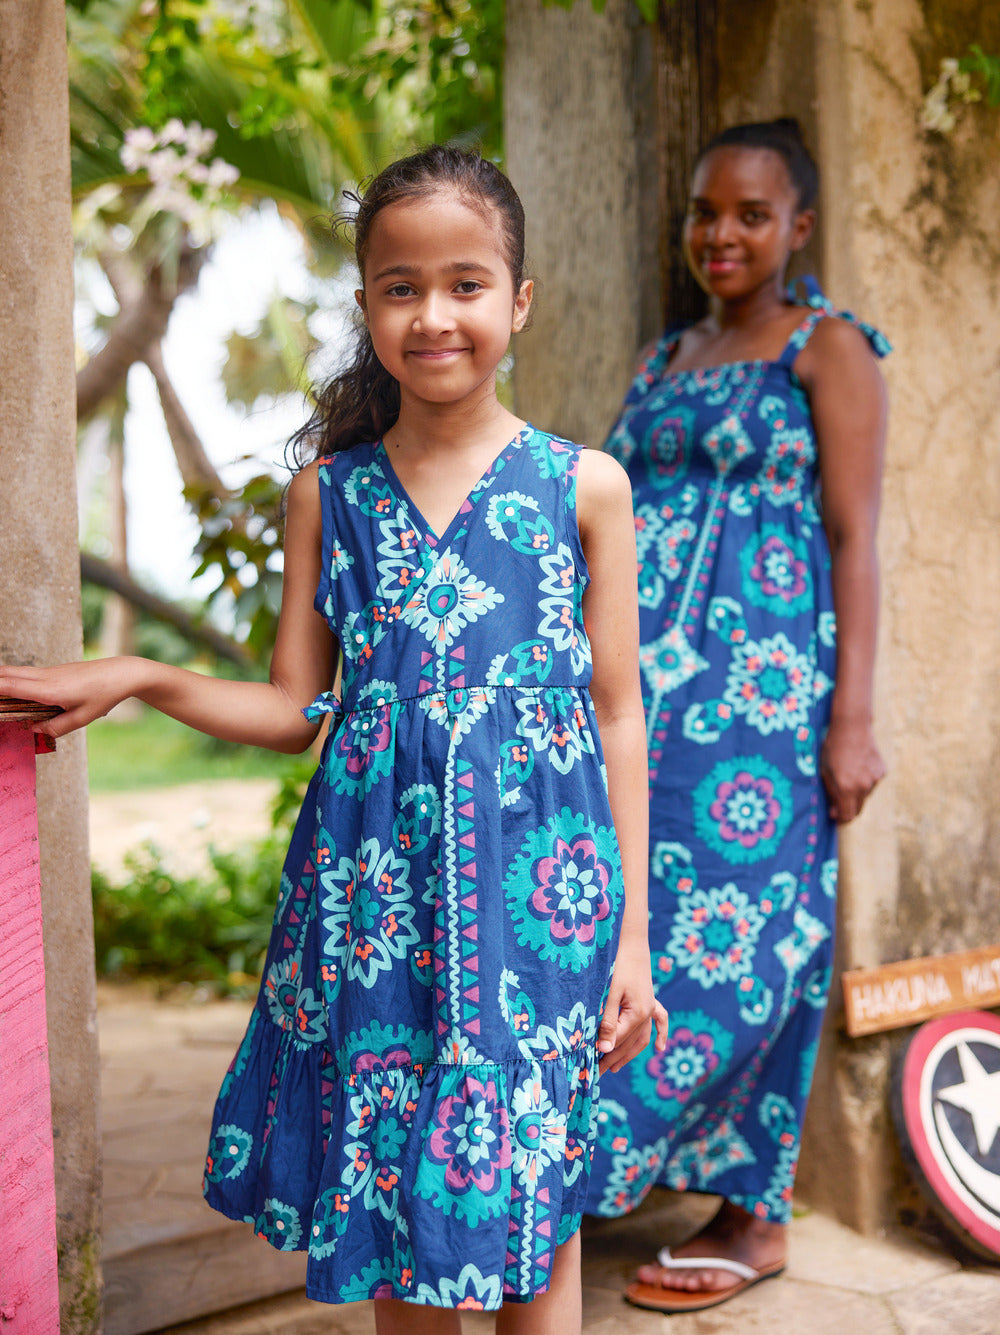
580, 146
40, 589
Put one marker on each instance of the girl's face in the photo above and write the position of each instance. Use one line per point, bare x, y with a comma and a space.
743, 222
438, 297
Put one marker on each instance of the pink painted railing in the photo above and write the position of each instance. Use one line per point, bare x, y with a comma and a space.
29, 1281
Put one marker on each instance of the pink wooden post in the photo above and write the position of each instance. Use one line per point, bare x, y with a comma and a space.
29, 1280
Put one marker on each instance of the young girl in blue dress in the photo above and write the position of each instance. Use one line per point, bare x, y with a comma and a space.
460, 939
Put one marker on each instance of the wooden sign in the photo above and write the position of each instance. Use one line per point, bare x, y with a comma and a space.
29, 1281
893, 995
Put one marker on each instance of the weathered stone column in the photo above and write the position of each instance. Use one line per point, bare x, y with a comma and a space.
40, 586
581, 153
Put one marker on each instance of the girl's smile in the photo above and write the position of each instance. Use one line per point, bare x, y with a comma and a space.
439, 299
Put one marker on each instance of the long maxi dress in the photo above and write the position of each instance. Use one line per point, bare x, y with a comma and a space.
738, 656
414, 1100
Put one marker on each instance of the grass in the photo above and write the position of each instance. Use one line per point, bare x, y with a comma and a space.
154, 751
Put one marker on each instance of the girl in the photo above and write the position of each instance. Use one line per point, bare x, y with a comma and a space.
753, 707
458, 943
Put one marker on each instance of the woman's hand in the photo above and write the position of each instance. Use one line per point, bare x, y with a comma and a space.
631, 1010
83, 691
850, 765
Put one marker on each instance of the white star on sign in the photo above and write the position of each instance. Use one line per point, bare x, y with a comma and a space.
978, 1095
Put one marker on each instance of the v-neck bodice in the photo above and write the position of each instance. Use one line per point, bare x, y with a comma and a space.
416, 612
430, 535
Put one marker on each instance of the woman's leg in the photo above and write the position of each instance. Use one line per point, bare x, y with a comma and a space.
732, 1233
558, 1311
393, 1317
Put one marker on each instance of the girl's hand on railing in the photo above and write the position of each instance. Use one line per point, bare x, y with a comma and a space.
83, 691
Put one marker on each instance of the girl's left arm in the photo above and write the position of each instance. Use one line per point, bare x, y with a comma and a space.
849, 408
611, 616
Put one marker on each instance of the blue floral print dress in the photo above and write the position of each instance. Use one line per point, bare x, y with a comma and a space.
738, 655
414, 1100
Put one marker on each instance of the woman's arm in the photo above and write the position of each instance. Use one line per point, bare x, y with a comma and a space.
611, 616
258, 713
848, 401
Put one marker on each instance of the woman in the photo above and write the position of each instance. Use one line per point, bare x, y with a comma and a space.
754, 442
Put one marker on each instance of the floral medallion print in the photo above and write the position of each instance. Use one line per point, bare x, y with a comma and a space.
528, 663
228, 1153
697, 1048
555, 723
742, 809
714, 933
707, 1156
670, 660
364, 746
368, 489
279, 1224
631, 1176
797, 948
380, 1120
571, 1033
561, 608
516, 1006
574, 891
418, 819
368, 911
329, 1222
517, 760
384, 1047
555, 458
292, 1003
669, 447
789, 455
449, 600
673, 867
537, 1133
470, 1290
776, 572
515, 518
770, 684
728, 444
467, 1157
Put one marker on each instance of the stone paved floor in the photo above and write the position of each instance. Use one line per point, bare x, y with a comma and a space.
167, 1254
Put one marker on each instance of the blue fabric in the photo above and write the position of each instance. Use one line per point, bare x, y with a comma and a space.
738, 656
413, 1102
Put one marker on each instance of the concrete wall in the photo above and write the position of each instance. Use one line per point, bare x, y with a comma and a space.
580, 151
909, 240
39, 584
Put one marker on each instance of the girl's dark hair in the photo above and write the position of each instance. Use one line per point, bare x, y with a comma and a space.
782, 136
361, 403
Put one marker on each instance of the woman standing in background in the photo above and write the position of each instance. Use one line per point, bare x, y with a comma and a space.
754, 443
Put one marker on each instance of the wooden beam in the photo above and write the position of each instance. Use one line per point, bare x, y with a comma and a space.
893, 995
687, 105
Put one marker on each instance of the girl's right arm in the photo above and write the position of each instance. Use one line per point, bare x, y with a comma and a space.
258, 713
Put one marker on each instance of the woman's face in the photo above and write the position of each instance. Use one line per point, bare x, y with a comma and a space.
743, 222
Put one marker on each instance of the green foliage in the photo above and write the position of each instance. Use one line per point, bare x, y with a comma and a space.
649, 9
986, 68
154, 751
240, 543
211, 929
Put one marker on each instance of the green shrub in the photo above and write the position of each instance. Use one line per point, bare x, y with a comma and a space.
211, 929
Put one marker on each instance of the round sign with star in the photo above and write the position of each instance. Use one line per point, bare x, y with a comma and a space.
946, 1103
